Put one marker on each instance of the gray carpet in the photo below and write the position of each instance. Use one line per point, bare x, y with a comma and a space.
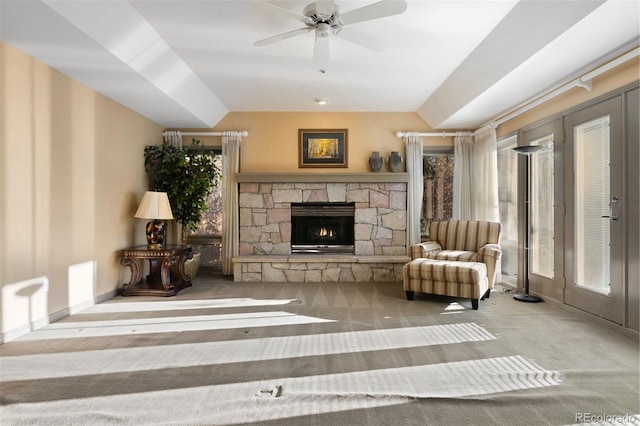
319, 354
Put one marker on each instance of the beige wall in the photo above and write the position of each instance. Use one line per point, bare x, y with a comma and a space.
71, 174
272, 144
615, 78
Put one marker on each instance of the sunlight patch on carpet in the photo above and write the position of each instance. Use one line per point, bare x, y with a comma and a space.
290, 397
82, 329
177, 305
445, 380
109, 361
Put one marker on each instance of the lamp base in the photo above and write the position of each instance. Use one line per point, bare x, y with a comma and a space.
527, 298
155, 234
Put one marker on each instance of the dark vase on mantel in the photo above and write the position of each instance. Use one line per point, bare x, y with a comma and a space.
376, 161
395, 162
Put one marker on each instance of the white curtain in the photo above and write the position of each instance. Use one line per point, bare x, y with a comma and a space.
486, 201
485, 176
463, 177
413, 155
174, 138
230, 166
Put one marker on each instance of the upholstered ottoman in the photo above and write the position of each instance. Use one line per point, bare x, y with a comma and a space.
446, 278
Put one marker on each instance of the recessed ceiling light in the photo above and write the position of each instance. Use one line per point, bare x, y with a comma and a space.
320, 101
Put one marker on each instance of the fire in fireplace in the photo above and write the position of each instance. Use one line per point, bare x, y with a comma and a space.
322, 228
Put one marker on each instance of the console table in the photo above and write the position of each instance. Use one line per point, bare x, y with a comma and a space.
166, 270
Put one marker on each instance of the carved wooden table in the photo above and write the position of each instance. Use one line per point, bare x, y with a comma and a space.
166, 270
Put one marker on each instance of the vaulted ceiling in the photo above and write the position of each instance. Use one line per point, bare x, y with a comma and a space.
186, 64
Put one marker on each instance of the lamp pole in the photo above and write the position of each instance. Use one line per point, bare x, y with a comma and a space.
527, 151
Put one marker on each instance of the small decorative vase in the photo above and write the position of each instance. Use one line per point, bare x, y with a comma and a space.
395, 162
192, 265
376, 161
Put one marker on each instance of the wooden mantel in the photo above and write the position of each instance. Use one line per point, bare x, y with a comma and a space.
383, 177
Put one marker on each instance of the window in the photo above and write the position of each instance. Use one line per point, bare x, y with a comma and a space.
508, 204
207, 238
437, 196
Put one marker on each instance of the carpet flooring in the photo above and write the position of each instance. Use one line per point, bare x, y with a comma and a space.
223, 353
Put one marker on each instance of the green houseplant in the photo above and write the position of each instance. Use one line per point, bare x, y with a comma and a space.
187, 175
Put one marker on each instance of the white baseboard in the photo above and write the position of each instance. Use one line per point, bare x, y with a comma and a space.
25, 329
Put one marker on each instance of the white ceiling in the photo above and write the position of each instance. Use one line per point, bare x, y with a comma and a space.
185, 64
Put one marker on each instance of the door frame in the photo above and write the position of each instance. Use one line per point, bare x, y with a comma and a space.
539, 285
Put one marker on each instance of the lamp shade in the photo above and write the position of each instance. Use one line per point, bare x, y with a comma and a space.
527, 149
154, 205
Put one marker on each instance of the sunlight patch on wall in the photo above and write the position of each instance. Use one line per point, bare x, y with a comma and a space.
81, 285
25, 306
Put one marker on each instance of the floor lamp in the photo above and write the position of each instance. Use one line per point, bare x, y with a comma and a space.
527, 151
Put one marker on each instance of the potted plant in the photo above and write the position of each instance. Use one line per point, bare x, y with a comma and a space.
187, 175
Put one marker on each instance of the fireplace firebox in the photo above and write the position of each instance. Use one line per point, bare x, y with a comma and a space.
322, 228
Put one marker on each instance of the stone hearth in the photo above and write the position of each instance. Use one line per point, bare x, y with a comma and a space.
265, 227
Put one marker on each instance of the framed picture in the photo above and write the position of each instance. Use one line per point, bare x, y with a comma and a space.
322, 148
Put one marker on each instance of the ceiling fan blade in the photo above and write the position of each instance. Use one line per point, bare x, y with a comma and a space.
370, 42
377, 10
321, 52
277, 9
280, 37
324, 7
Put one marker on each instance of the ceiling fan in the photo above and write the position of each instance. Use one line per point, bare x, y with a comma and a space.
324, 18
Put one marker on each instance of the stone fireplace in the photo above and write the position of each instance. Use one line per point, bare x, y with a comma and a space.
271, 204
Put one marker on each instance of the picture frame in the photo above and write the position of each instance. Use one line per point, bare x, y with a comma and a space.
322, 148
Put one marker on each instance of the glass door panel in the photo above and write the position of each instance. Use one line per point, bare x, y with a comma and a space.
546, 237
592, 205
508, 204
542, 223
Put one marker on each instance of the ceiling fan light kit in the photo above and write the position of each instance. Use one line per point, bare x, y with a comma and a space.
322, 30
324, 18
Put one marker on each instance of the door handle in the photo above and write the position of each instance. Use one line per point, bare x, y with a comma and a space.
612, 215
614, 199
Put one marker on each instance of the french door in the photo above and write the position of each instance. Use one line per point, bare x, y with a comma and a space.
594, 219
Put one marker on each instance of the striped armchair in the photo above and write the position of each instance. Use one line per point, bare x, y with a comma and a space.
463, 240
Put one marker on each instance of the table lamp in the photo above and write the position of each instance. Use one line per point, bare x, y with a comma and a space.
155, 206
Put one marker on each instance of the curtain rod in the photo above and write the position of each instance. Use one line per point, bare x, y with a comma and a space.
435, 135
242, 133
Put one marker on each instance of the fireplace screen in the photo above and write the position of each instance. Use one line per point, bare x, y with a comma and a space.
322, 228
